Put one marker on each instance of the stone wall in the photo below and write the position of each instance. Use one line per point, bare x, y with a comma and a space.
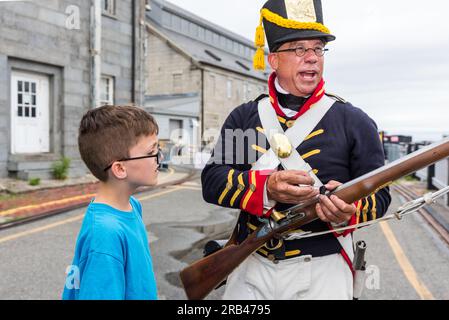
35, 35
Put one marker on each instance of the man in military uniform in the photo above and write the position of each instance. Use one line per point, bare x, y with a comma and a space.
342, 144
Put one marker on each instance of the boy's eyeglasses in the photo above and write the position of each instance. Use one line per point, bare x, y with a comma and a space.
158, 157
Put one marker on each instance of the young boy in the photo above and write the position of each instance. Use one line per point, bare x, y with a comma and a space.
112, 259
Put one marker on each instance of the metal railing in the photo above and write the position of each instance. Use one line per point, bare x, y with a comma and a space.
441, 177
436, 175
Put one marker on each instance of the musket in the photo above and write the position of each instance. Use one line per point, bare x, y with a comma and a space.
201, 277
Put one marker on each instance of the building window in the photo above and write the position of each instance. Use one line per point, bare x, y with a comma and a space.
26, 99
229, 89
107, 90
108, 7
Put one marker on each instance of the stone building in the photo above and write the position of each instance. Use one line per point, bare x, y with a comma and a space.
197, 73
57, 60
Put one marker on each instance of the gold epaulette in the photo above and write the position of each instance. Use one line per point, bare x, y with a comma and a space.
338, 98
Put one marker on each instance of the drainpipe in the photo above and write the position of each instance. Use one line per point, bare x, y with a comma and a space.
202, 108
143, 49
95, 52
133, 50
447, 181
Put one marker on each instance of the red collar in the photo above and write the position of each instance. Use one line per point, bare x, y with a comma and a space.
314, 98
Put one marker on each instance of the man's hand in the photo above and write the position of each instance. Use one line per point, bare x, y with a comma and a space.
334, 209
283, 186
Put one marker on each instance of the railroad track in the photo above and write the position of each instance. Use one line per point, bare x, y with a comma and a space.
431, 218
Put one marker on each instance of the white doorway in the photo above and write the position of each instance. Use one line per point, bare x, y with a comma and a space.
30, 105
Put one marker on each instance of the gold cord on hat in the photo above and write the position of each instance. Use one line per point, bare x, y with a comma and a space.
292, 24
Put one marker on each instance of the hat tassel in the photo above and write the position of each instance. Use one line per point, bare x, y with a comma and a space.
259, 57
260, 37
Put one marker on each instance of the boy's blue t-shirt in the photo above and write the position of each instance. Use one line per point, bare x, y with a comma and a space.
112, 257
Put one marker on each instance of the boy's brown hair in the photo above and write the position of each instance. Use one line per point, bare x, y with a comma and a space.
106, 134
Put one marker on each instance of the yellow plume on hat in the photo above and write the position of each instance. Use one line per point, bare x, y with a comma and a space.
259, 57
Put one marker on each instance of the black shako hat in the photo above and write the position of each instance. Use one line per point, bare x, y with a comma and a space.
288, 20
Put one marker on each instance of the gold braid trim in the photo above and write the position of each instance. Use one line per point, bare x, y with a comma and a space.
291, 24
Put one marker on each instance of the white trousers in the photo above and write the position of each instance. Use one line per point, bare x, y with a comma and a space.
300, 278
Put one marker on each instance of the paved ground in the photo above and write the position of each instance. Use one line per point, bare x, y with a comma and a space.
407, 260
34, 257
411, 260
22, 201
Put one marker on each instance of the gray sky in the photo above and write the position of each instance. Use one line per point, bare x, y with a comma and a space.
391, 58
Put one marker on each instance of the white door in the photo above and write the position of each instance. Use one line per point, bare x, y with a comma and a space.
29, 113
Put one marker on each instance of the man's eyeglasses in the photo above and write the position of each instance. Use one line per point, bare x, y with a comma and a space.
301, 51
158, 157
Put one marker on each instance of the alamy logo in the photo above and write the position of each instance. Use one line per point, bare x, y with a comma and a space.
73, 18
72, 22
372, 281
73, 277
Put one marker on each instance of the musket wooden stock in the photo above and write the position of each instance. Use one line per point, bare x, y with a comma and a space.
201, 277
